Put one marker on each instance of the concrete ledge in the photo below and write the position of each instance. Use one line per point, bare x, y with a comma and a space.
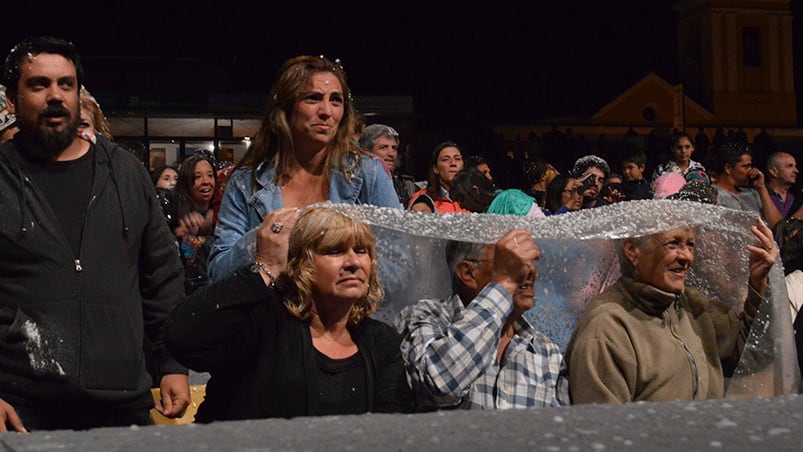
757, 424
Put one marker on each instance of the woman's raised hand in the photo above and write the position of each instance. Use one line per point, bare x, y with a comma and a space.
273, 237
762, 256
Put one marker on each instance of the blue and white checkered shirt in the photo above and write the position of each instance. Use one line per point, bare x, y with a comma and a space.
450, 353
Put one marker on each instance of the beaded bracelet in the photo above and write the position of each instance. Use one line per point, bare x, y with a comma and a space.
259, 266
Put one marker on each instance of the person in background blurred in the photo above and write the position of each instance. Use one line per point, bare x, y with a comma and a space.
445, 162
165, 177
741, 186
790, 240
612, 190
668, 184
8, 122
563, 195
591, 171
476, 193
475, 161
538, 175
635, 186
194, 227
93, 121
383, 142
681, 163
781, 176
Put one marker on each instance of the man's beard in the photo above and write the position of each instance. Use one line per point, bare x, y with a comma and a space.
49, 142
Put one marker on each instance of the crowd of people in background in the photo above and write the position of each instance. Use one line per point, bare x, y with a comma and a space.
227, 270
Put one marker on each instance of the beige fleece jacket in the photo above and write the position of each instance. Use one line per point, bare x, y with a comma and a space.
635, 342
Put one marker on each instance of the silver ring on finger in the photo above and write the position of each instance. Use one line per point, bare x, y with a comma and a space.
516, 242
276, 228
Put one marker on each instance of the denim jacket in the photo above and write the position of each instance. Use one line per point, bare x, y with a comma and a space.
243, 209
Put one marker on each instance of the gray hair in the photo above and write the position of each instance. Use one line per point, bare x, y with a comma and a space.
457, 252
374, 132
586, 162
774, 160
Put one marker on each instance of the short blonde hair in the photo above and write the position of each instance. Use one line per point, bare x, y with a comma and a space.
317, 229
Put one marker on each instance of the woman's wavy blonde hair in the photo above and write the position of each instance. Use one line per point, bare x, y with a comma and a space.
318, 229
91, 105
273, 142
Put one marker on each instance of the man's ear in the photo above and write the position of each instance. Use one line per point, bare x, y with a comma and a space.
773, 172
727, 169
465, 272
630, 251
11, 101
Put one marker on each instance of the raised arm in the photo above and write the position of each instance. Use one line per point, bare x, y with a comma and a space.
223, 323
445, 353
443, 359
768, 209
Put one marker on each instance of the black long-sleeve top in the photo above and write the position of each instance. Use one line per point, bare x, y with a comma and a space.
261, 358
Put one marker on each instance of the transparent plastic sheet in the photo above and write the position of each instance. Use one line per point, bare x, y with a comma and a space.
579, 261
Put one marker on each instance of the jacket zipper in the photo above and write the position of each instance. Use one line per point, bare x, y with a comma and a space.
689, 356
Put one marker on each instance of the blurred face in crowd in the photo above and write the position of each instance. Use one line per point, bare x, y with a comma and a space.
46, 103
317, 113
387, 149
593, 191
167, 179
550, 174
86, 123
204, 183
663, 260
571, 196
682, 151
785, 171
633, 172
740, 173
450, 162
485, 170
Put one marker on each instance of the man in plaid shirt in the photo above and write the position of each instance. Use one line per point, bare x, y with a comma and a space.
475, 350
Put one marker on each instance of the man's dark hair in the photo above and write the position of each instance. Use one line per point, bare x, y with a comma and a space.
474, 161
731, 153
534, 170
472, 190
634, 156
588, 161
31, 47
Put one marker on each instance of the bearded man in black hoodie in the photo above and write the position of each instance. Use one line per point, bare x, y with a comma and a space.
88, 270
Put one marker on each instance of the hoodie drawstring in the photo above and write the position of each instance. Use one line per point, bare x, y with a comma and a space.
117, 191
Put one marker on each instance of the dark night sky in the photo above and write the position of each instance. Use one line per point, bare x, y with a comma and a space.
483, 62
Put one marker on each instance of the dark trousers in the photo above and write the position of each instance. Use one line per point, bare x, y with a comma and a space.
79, 417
